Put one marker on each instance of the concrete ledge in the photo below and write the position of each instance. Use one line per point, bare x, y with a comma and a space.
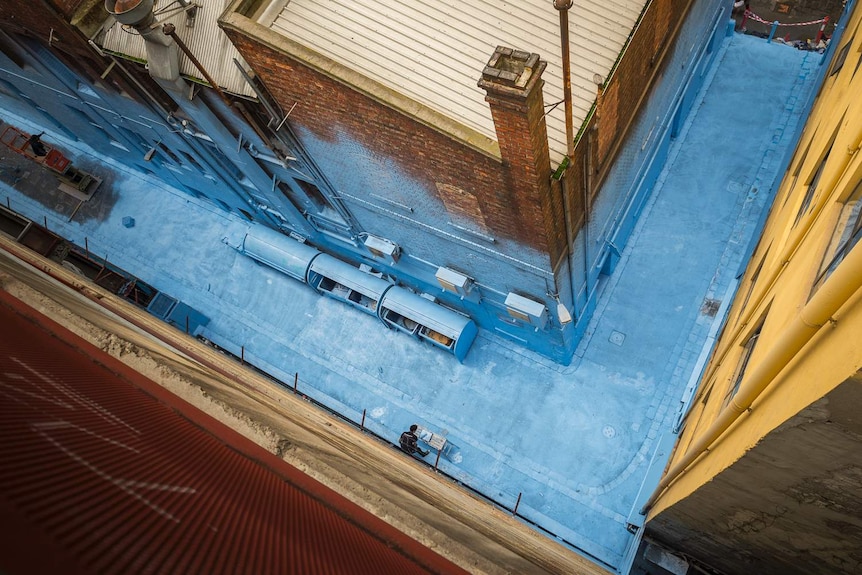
460, 526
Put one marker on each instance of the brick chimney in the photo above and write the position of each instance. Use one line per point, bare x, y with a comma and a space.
513, 82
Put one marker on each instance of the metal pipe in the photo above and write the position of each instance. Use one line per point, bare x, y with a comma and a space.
171, 30
845, 281
585, 233
562, 7
772, 31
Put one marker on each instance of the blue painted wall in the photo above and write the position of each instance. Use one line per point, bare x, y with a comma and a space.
626, 190
208, 150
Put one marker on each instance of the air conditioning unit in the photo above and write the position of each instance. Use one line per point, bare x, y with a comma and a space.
383, 249
454, 282
527, 310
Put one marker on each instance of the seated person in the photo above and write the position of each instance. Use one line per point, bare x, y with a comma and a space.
410, 442
37, 146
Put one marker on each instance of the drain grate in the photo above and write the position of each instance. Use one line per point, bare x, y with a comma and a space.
710, 307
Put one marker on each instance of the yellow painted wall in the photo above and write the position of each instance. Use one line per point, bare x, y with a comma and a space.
779, 279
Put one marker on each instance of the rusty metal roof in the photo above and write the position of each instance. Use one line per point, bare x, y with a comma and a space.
103, 471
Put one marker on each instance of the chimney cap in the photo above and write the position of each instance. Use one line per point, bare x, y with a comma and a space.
511, 68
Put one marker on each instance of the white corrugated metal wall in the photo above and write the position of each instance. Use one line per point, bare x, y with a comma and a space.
206, 41
434, 52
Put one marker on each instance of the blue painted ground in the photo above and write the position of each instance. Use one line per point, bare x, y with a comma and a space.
575, 441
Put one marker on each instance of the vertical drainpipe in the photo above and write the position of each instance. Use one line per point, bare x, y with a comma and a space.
563, 6
585, 232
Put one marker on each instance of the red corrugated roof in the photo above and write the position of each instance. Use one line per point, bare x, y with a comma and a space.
103, 471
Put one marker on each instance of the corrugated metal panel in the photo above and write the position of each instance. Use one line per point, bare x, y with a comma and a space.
434, 52
278, 251
206, 41
102, 471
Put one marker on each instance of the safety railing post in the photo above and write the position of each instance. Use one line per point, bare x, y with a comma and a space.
822, 28
772, 31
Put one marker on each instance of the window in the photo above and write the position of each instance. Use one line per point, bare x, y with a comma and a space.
313, 204
812, 187
847, 233
132, 138
9, 90
195, 192
313, 193
223, 160
798, 168
747, 351
86, 119
45, 63
44, 113
10, 49
170, 153
192, 160
841, 57
752, 283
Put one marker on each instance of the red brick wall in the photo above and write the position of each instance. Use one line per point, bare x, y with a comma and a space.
510, 208
637, 71
619, 104
37, 18
523, 139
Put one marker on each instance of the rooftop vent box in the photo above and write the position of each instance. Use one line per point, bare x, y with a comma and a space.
526, 309
454, 282
383, 249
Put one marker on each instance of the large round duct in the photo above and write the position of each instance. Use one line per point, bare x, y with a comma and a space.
131, 12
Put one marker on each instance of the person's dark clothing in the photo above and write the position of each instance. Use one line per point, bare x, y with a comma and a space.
37, 146
409, 443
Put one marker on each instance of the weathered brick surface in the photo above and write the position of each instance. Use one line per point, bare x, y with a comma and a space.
637, 71
462, 204
513, 200
39, 18
508, 196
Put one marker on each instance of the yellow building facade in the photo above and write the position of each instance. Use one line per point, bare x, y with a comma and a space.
766, 476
